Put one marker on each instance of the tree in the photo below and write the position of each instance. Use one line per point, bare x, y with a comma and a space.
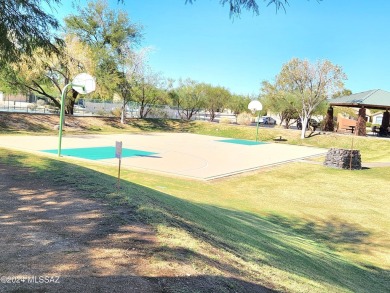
277, 100
344, 92
236, 6
131, 69
48, 74
111, 36
149, 91
189, 98
238, 104
216, 99
137, 82
101, 27
311, 84
24, 27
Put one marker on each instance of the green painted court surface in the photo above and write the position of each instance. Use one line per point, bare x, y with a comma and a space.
99, 153
242, 141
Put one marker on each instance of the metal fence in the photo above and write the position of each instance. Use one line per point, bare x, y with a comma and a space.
108, 110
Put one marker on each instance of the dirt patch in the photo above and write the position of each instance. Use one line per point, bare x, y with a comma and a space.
45, 122
77, 244
55, 239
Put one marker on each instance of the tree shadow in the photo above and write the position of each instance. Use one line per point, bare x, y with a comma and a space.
313, 133
114, 122
330, 232
98, 218
163, 125
24, 124
280, 138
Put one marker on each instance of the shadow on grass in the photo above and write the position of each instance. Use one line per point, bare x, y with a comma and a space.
114, 122
272, 242
331, 232
163, 125
23, 123
279, 139
313, 133
8, 131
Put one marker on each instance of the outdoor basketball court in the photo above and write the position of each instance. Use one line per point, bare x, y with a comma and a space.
190, 155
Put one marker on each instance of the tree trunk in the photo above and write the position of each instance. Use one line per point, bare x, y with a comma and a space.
123, 112
383, 129
329, 125
141, 111
361, 123
304, 125
287, 123
69, 107
212, 115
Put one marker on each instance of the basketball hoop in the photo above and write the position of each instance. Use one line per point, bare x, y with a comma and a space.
84, 84
256, 106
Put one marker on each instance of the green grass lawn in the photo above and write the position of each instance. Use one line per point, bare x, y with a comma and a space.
296, 228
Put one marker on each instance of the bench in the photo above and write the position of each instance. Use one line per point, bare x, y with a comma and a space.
375, 130
350, 128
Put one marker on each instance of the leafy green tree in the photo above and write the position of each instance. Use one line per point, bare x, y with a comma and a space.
238, 104
24, 27
344, 92
138, 83
216, 99
110, 34
48, 74
149, 91
277, 100
101, 27
189, 98
129, 74
311, 83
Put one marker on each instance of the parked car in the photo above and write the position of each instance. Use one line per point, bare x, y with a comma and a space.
312, 123
79, 108
269, 120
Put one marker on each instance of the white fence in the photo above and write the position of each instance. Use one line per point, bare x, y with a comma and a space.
106, 109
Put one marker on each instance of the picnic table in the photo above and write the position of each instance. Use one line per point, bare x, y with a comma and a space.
350, 128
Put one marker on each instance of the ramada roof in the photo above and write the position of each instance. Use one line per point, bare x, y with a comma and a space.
374, 99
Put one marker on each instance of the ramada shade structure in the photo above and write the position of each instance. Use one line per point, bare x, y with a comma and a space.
374, 99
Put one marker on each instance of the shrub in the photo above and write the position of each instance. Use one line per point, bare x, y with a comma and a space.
158, 113
32, 107
224, 120
51, 109
117, 112
41, 103
244, 118
102, 112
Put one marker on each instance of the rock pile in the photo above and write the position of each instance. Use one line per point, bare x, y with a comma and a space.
343, 159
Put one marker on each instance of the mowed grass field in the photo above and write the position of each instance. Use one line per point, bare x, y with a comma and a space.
295, 228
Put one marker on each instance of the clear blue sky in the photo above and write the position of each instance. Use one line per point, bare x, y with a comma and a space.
202, 42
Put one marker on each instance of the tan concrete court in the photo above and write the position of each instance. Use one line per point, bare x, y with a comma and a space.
190, 155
